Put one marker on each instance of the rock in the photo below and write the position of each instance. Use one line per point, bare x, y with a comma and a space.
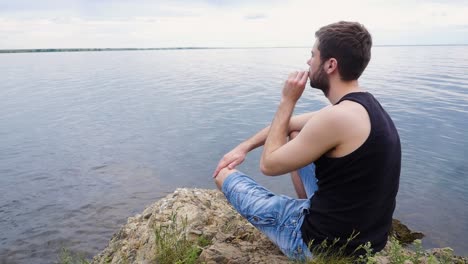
147, 215
205, 215
403, 234
223, 253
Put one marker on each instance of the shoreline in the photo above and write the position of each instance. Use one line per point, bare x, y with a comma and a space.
42, 50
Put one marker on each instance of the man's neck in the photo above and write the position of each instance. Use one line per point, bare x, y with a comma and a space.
340, 89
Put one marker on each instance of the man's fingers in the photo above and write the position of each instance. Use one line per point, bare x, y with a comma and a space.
233, 165
218, 168
230, 160
215, 173
292, 75
224, 162
304, 77
299, 76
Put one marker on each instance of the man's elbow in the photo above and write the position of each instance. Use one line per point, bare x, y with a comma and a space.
268, 169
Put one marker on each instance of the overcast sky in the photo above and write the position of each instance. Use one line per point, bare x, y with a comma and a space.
222, 23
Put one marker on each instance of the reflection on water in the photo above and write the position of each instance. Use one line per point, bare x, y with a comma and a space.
91, 138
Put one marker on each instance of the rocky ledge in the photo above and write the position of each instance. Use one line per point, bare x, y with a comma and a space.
197, 213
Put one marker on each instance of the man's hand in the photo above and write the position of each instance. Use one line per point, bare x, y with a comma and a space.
294, 86
232, 159
292, 91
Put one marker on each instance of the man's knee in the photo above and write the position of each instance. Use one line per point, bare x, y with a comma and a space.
222, 175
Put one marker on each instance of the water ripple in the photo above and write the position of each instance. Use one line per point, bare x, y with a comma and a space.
88, 140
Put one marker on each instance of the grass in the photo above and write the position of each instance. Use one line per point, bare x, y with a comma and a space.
173, 246
68, 257
331, 253
396, 254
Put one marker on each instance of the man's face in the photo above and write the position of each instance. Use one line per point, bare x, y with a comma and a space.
318, 77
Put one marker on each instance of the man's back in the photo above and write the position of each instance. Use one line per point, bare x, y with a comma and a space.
356, 192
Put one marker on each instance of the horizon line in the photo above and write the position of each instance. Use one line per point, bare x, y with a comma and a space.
31, 50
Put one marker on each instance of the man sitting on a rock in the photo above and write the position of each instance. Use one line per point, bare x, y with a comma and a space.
344, 159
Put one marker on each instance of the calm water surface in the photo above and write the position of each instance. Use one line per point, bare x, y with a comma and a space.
88, 139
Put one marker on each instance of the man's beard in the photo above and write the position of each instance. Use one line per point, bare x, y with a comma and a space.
320, 80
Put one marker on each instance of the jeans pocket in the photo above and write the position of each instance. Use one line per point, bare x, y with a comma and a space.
266, 219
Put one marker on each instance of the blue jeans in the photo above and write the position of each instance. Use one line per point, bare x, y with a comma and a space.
279, 217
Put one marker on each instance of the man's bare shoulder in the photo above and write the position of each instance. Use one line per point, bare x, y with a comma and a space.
350, 111
332, 113
340, 128
324, 119
342, 117
344, 110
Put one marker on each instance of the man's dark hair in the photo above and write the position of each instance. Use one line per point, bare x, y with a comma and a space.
349, 43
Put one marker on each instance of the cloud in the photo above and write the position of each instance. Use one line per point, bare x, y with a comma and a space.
163, 23
103, 9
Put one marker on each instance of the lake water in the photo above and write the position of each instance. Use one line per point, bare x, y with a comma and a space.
88, 139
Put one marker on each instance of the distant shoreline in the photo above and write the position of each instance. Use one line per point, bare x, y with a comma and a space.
93, 49
187, 48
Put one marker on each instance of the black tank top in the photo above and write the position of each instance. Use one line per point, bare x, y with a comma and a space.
356, 193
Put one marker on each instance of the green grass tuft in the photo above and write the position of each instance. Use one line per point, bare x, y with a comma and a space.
395, 254
331, 253
203, 241
173, 246
68, 257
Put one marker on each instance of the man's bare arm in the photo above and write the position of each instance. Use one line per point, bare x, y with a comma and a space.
321, 134
296, 123
277, 136
237, 155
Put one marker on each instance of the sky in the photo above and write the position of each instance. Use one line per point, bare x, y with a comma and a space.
222, 23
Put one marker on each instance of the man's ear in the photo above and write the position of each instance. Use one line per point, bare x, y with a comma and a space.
331, 65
